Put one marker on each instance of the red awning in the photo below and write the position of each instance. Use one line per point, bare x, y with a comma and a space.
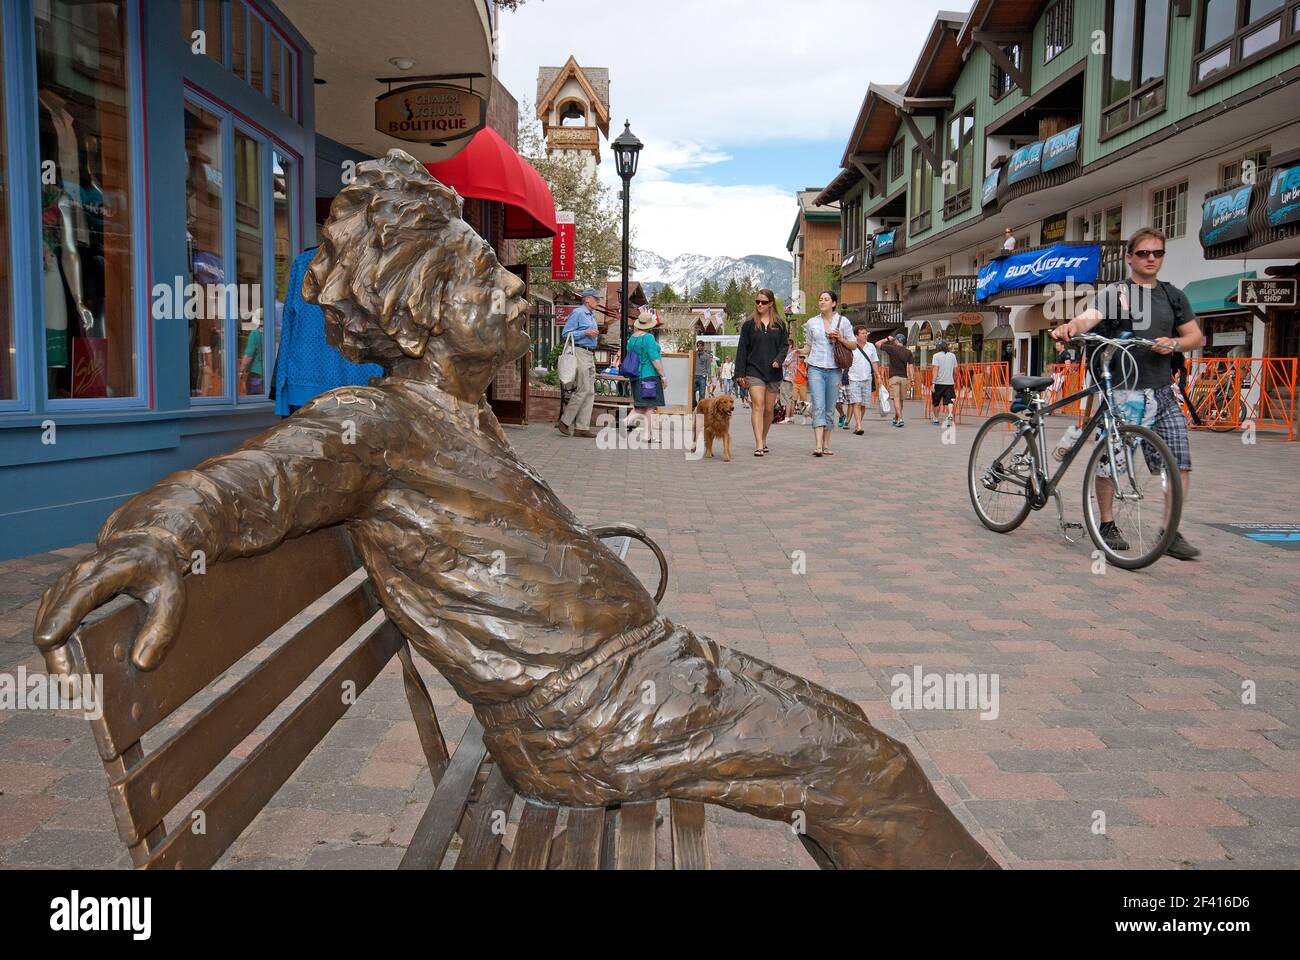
488, 169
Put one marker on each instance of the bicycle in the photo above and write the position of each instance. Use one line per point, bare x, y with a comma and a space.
1014, 474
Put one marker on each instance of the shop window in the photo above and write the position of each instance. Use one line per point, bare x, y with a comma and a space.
1134, 80
8, 344
239, 41
259, 55
1058, 29
256, 54
1169, 210
204, 15
205, 238
88, 296
1233, 33
243, 213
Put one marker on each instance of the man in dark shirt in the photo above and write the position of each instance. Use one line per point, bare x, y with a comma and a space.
899, 357
1158, 311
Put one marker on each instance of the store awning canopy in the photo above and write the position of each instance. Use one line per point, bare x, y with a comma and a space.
1211, 295
489, 169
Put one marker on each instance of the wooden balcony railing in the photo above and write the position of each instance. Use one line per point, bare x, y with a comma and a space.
942, 295
875, 314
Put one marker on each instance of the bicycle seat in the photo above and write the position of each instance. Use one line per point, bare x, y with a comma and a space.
1030, 383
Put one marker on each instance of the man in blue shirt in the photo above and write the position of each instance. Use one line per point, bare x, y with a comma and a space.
575, 421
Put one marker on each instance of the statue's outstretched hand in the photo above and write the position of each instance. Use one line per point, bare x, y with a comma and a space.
142, 564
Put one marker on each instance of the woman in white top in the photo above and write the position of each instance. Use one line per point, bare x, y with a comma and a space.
823, 375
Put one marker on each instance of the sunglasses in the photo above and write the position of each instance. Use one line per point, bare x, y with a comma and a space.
762, 303
1149, 254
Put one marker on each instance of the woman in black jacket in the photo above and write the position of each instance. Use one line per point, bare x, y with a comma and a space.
759, 356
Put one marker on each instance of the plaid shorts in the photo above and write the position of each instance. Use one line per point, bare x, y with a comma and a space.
1159, 410
860, 392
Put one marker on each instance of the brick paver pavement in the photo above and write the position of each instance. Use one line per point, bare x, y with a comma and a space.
1121, 737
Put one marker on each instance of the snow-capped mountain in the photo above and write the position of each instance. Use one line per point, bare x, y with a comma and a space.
689, 271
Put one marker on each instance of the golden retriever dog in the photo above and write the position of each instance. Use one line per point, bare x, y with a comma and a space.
716, 412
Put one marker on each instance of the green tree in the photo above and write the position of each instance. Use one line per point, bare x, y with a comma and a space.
598, 242
709, 292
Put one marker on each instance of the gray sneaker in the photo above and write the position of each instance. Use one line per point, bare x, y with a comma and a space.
1180, 549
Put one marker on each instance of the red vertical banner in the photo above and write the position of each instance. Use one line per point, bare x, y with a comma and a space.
562, 261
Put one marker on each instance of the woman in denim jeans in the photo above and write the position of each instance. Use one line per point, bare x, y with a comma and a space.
820, 333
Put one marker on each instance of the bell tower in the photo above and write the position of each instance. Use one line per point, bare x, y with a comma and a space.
573, 105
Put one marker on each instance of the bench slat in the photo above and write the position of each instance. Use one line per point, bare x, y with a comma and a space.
492, 811
426, 719
582, 838
441, 818
165, 777
534, 837
229, 610
241, 796
690, 845
636, 836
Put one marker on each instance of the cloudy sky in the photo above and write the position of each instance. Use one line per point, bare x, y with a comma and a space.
739, 102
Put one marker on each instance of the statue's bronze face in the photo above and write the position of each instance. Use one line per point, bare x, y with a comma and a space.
400, 275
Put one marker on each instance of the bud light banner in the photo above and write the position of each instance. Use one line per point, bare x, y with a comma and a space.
1025, 163
1062, 149
1060, 263
990, 188
1225, 217
1284, 197
885, 242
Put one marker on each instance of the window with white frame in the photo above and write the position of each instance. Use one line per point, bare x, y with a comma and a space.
1169, 210
1243, 170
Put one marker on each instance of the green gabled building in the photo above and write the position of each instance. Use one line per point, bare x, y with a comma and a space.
1072, 123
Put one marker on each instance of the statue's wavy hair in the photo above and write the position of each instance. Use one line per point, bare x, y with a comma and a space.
394, 254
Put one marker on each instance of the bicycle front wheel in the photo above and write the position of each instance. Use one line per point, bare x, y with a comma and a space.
999, 473
1142, 494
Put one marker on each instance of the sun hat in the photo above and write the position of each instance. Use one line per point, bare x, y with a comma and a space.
647, 322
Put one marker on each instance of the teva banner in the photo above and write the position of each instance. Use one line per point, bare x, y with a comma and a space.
885, 242
1025, 163
1284, 197
1225, 217
562, 262
1059, 263
1062, 149
990, 192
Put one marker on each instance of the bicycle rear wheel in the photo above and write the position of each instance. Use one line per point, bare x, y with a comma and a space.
1144, 497
998, 474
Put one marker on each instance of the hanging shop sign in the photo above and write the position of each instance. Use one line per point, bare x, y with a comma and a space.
1284, 197
1059, 263
885, 242
433, 113
1025, 163
1225, 217
1062, 149
562, 261
990, 192
1263, 292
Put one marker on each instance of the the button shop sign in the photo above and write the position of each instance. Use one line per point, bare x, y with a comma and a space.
433, 113
1267, 292
1284, 196
1225, 217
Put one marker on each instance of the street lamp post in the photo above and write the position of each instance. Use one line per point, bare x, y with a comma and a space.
627, 148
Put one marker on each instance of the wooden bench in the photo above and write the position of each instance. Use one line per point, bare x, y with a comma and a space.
307, 599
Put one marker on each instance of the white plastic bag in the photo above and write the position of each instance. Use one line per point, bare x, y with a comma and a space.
566, 367
885, 406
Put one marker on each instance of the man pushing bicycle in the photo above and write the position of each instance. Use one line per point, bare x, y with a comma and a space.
1161, 312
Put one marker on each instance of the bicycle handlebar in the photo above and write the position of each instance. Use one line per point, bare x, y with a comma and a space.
1125, 343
